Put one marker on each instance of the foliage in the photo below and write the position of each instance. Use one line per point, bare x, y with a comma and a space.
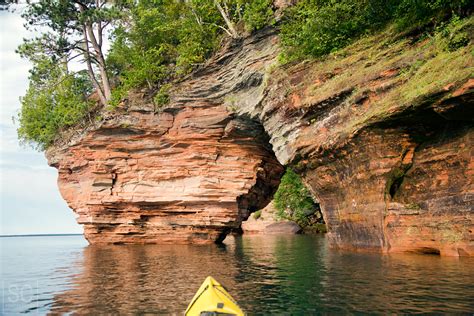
453, 35
52, 104
257, 214
118, 94
293, 200
71, 30
153, 42
57, 98
162, 97
258, 14
416, 13
315, 28
163, 39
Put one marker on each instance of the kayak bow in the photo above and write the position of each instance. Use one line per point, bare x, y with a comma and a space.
213, 300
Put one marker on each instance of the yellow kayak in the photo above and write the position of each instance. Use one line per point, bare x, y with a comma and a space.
213, 300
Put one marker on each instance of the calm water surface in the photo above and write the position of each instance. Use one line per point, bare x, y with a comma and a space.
267, 275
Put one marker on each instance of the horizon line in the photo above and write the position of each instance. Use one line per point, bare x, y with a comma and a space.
41, 235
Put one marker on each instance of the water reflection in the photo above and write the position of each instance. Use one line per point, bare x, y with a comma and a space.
404, 283
267, 275
143, 279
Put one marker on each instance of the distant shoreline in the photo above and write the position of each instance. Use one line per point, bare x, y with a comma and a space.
39, 235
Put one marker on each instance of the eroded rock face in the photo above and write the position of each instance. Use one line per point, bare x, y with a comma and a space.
185, 174
177, 177
385, 146
389, 157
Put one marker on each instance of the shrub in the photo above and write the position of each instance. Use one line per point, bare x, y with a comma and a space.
257, 214
161, 38
416, 13
293, 200
162, 97
315, 28
51, 106
258, 14
453, 35
118, 94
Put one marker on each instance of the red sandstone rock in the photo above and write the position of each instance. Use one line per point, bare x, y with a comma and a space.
183, 177
187, 174
390, 175
392, 169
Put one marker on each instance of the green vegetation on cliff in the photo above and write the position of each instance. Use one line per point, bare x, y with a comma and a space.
314, 28
293, 201
57, 98
154, 42
163, 40
52, 105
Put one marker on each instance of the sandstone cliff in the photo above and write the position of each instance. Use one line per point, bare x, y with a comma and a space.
381, 132
187, 173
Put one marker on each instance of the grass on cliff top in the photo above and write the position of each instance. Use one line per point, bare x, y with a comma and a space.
421, 66
448, 59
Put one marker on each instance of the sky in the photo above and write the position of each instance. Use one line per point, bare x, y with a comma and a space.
30, 199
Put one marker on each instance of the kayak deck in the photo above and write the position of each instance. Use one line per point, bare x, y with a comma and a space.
212, 299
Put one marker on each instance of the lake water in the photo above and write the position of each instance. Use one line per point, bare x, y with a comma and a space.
267, 275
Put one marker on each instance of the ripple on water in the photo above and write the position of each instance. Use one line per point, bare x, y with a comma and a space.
267, 275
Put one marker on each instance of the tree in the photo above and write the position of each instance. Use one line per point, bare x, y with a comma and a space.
160, 39
72, 29
223, 9
56, 99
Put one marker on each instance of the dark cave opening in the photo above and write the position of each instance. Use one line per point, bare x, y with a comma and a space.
396, 183
292, 202
268, 173
428, 251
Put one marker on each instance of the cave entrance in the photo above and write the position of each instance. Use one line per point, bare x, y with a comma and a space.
292, 203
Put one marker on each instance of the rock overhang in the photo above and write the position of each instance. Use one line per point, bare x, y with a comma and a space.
186, 177
337, 122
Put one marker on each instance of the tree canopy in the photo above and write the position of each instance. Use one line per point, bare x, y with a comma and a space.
72, 30
161, 40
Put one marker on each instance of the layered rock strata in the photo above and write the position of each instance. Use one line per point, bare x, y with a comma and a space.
381, 132
180, 177
185, 174
383, 136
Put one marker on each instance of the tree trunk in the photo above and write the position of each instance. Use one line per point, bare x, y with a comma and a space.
88, 59
227, 20
100, 60
90, 70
